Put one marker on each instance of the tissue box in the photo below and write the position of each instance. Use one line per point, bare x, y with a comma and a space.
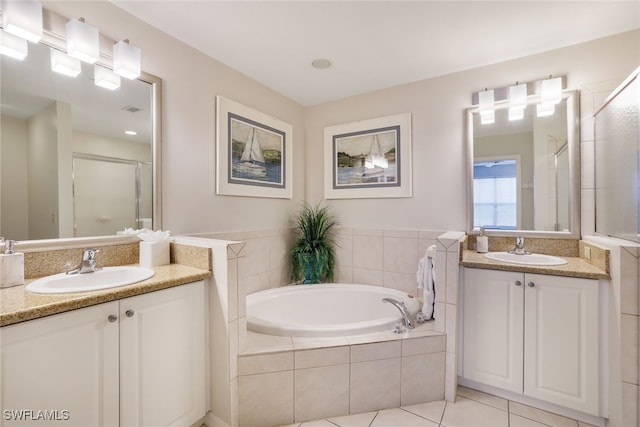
154, 253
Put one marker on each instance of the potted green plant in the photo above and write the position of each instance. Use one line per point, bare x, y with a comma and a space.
313, 255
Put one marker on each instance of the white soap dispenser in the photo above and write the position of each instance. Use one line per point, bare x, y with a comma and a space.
482, 242
11, 266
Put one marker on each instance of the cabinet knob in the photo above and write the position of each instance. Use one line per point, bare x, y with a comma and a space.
518, 283
129, 313
112, 318
531, 284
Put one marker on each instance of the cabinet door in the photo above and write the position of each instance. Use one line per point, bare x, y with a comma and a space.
162, 367
561, 344
61, 369
493, 328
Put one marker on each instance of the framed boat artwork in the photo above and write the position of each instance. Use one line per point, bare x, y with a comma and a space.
253, 152
368, 159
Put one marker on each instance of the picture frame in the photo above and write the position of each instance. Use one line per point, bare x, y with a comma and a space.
369, 158
253, 152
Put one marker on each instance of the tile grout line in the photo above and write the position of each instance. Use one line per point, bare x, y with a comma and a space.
443, 411
374, 418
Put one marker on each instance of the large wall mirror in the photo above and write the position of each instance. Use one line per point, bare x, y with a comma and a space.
76, 160
524, 175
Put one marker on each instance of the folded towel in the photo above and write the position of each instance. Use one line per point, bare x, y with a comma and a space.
426, 278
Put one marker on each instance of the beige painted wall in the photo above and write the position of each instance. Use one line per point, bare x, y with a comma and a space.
14, 223
110, 147
439, 147
191, 81
43, 173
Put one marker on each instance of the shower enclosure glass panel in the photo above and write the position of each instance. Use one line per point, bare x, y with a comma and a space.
617, 162
109, 195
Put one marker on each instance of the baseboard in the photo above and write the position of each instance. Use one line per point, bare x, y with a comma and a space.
525, 400
210, 420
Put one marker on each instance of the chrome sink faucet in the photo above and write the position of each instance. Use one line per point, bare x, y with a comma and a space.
403, 309
519, 249
89, 264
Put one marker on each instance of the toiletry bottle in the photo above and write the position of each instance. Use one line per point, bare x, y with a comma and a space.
11, 266
482, 242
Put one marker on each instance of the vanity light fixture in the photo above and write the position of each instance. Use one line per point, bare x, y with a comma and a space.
551, 92
13, 46
550, 95
126, 60
487, 113
64, 64
106, 78
517, 101
23, 18
83, 41
131, 132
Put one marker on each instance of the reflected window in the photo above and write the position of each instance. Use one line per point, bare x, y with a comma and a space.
495, 194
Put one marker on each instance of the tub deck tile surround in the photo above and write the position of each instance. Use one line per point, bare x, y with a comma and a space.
338, 376
233, 275
18, 305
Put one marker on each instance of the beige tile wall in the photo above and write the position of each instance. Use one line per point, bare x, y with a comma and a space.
630, 334
624, 321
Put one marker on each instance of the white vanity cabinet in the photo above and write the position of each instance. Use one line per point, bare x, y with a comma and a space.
139, 361
533, 334
65, 364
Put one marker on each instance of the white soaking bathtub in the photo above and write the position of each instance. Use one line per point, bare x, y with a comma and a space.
325, 310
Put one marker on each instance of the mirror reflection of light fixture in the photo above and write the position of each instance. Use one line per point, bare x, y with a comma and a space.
545, 110
126, 60
517, 101
106, 78
23, 19
487, 113
13, 46
83, 41
64, 64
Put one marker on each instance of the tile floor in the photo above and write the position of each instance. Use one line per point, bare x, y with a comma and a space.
472, 409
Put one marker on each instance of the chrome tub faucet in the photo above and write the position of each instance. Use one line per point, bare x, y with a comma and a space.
408, 322
89, 264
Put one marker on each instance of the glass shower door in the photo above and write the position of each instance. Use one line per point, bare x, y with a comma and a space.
104, 194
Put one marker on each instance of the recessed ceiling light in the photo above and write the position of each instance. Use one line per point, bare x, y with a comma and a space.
321, 63
131, 132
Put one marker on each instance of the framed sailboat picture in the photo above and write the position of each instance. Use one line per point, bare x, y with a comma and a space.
369, 159
253, 152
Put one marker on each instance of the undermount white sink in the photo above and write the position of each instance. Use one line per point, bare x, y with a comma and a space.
526, 259
108, 277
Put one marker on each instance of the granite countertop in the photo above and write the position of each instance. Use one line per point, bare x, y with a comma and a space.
576, 266
18, 305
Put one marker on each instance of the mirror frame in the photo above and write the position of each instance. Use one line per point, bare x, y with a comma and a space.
573, 143
54, 28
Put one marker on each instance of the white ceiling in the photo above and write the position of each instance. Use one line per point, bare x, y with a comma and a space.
376, 44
